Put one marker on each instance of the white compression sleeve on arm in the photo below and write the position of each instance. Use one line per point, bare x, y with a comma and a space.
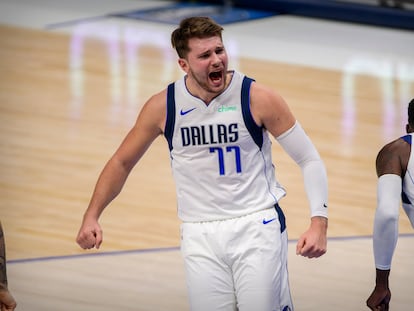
385, 235
300, 148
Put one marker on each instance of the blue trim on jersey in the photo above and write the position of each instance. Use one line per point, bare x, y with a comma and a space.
170, 121
254, 130
407, 138
404, 197
281, 216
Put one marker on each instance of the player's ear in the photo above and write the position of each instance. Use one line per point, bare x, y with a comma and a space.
183, 64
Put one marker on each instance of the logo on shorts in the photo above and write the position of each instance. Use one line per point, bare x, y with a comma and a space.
266, 221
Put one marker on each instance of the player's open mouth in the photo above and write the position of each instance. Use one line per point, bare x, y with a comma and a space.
216, 77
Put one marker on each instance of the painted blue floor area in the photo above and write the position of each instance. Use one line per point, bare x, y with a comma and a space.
225, 13
173, 14
376, 13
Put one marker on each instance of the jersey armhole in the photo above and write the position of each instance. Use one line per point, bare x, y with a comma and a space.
254, 130
170, 119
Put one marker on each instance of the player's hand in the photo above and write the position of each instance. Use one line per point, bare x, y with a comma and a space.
313, 242
90, 234
7, 301
379, 299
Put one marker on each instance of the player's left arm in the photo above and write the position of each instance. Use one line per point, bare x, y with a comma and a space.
391, 164
270, 110
390, 170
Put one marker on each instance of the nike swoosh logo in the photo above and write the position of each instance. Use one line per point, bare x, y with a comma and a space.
184, 112
265, 221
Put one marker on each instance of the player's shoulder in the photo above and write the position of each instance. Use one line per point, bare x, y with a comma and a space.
155, 107
158, 99
159, 96
262, 93
395, 153
397, 145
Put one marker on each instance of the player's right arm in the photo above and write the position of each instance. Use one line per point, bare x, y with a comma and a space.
149, 125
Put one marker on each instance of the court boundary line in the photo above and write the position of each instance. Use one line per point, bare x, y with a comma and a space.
164, 249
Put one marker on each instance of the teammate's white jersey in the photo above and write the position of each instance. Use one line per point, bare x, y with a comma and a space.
408, 183
221, 160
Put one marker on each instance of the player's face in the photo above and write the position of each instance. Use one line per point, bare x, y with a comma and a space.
206, 65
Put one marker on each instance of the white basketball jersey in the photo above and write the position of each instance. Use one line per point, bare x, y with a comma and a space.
408, 183
221, 160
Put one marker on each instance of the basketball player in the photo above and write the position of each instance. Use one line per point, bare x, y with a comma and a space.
7, 302
395, 168
217, 123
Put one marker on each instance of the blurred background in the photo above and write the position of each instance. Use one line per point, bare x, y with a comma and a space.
74, 76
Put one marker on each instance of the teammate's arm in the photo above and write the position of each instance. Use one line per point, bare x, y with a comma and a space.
148, 127
391, 165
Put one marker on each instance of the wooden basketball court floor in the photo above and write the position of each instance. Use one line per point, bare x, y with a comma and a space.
72, 85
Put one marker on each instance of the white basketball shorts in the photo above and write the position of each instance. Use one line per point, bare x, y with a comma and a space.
237, 264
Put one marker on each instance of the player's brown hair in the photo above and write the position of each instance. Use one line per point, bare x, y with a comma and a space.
193, 27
